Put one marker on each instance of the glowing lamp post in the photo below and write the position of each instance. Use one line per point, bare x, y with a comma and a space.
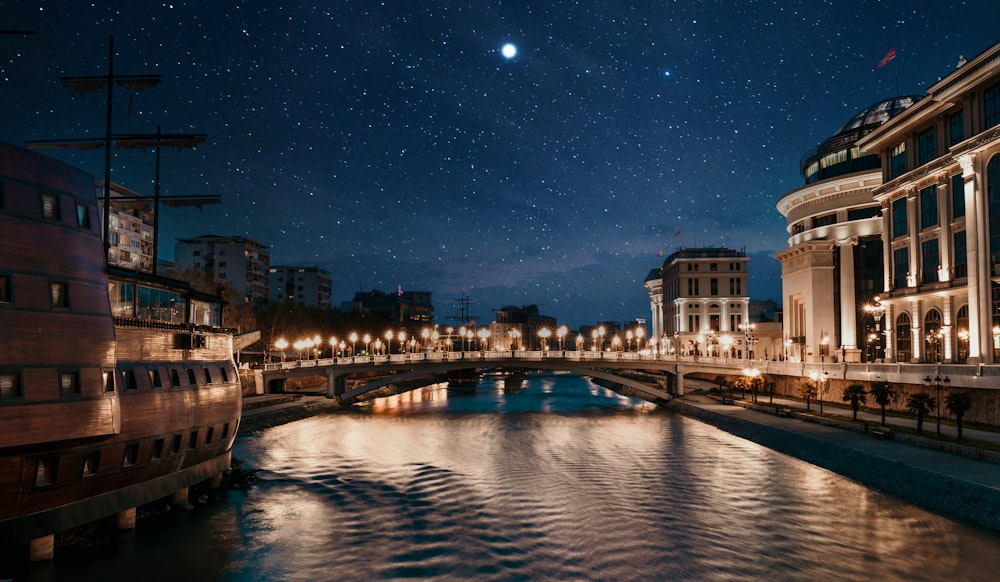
544, 334
938, 384
354, 343
561, 334
281, 345
484, 337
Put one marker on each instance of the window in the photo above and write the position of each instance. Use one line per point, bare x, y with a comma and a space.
192, 382
175, 378
863, 213
59, 293
208, 376
131, 456
109, 380
45, 472
714, 284
69, 382
957, 196
956, 128
5, 289
175, 445
82, 216
897, 161
193, 441
904, 341
961, 256
154, 379
928, 207
931, 260
209, 435
91, 463
899, 226
129, 376
991, 106
225, 375
900, 267
926, 145
993, 206
225, 430
50, 207
157, 449
824, 220
10, 386
711, 267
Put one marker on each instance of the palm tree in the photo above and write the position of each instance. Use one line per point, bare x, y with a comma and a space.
958, 403
855, 394
807, 390
920, 404
883, 394
723, 384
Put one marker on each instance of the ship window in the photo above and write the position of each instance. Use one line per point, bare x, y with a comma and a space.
4, 288
225, 375
225, 430
50, 207
154, 379
130, 383
175, 378
10, 387
82, 216
157, 449
69, 382
109, 380
209, 435
91, 462
45, 473
208, 376
131, 455
59, 293
191, 379
193, 441
175, 446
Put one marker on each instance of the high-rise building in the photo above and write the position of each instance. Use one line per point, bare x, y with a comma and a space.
311, 286
940, 206
239, 261
130, 228
833, 263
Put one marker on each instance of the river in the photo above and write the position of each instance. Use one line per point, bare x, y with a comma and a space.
561, 480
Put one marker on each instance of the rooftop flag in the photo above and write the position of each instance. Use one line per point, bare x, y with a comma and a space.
888, 57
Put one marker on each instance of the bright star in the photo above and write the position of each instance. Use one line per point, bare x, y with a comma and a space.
508, 51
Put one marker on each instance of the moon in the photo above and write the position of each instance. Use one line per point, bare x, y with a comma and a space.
508, 51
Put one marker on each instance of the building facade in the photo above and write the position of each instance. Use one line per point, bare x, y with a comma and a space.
940, 204
833, 263
242, 262
310, 286
700, 303
412, 310
130, 229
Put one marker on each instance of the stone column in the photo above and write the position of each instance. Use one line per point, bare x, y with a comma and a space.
890, 333
848, 303
913, 233
979, 334
917, 330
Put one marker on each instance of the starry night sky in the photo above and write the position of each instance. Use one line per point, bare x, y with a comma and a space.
394, 144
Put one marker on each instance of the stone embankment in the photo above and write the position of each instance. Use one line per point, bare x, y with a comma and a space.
959, 488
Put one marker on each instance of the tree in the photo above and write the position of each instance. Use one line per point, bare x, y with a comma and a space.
855, 394
920, 404
958, 403
807, 390
883, 394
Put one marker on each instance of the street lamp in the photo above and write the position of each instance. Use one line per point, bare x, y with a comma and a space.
388, 341
561, 334
639, 334
544, 334
747, 329
515, 335
820, 381
615, 343
333, 347
316, 342
282, 345
876, 309
937, 384
354, 343
579, 342
484, 336
628, 340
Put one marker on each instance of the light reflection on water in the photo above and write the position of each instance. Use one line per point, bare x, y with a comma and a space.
439, 484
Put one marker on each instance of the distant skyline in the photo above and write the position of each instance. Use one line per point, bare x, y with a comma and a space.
524, 154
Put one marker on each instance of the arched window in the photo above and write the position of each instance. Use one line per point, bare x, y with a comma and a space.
904, 339
933, 336
962, 334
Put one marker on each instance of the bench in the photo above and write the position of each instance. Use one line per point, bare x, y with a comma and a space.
786, 412
881, 432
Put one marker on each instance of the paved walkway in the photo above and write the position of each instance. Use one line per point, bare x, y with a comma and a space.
945, 463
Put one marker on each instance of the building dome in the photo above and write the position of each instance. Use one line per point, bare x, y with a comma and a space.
837, 155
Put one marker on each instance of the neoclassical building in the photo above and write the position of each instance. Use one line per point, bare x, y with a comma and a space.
699, 302
833, 263
940, 204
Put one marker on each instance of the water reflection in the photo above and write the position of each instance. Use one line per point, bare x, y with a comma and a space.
563, 480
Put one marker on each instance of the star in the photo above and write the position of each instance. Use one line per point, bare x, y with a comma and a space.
509, 51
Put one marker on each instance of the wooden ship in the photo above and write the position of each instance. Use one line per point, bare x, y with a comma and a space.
117, 387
